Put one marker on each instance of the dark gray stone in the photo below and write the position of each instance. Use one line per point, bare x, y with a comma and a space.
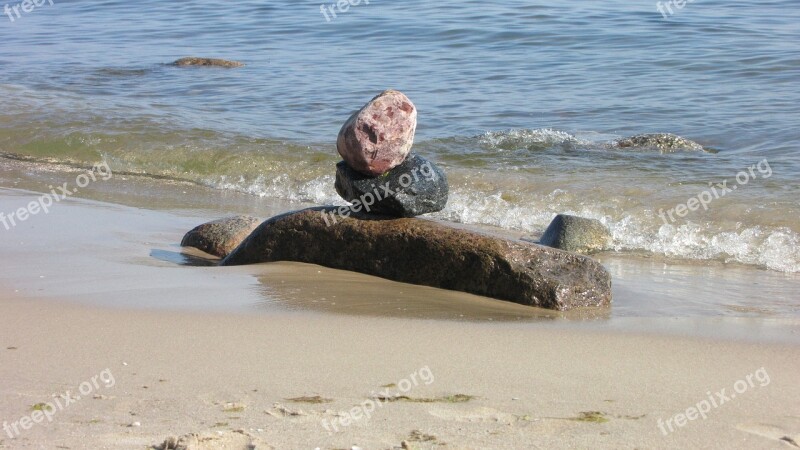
429, 253
415, 187
576, 234
221, 236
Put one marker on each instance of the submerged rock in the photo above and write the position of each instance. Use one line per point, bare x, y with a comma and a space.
221, 236
208, 62
665, 142
415, 187
576, 234
429, 253
378, 137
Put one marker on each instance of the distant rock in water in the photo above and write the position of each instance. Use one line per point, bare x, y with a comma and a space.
547, 139
665, 142
429, 253
221, 236
415, 187
206, 62
379, 136
533, 140
576, 234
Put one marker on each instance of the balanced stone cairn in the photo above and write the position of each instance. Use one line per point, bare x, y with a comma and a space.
387, 185
379, 173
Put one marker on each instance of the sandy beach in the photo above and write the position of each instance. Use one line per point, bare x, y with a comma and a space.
159, 343
463, 385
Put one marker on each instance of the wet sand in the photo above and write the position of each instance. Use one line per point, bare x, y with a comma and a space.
133, 225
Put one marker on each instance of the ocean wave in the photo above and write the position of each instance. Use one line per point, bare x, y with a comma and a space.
530, 139
776, 249
513, 179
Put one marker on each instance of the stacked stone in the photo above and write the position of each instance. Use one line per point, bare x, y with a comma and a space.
380, 173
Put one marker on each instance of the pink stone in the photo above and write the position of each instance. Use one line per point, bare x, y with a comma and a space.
379, 136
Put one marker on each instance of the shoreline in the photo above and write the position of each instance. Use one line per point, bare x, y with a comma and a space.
101, 253
249, 351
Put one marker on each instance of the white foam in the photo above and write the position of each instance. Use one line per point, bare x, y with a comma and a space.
317, 191
773, 248
523, 138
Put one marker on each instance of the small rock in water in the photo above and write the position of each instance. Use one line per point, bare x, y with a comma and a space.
665, 142
415, 187
378, 137
206, 62
220, 237
576, 234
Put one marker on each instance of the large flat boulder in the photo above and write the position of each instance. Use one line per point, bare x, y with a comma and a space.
429, 253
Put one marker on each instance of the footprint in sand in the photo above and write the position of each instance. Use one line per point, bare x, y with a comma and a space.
232, 440
771, 432
482, 414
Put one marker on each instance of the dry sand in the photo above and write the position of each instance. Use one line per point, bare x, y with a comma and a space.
178, 373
